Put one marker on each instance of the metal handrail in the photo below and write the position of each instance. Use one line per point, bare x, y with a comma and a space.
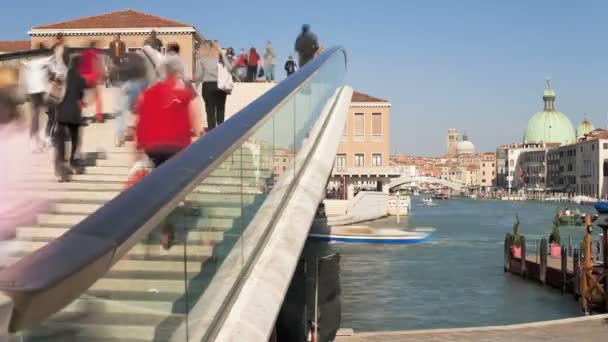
45, 281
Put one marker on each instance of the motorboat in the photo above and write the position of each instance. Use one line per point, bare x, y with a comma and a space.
601, 207
441, 196
427, 201
584, 200
368, 235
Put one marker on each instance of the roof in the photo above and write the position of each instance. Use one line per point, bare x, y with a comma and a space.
119, 19
14, 45
361, 97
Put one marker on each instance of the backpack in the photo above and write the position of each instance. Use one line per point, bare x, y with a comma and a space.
224, 78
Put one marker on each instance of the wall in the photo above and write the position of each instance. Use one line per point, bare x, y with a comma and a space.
350, 147
365, 206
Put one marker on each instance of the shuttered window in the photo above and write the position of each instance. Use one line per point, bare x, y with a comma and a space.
359, 127
377, 127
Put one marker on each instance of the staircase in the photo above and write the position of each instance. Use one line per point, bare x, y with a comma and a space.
142, 297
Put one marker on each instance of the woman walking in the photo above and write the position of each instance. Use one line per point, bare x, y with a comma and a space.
252, 65
215, 98
167, 117
69, 120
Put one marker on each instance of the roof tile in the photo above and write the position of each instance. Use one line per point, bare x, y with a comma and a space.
14, 45
119, 19
361, 97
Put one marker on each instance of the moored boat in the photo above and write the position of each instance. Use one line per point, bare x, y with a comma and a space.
427, 201
601, 207
369, 235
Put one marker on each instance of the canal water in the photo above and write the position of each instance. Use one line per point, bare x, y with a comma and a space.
455, 280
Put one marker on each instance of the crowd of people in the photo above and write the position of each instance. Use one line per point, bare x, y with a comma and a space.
155, 87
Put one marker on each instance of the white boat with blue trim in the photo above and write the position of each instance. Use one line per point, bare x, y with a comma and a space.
369, 235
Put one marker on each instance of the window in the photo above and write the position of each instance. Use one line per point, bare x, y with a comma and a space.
377, 127
341, 162
593, 147
359, 160
484, 173
511, 162
359, 127
605, 167
376, 159
605, 146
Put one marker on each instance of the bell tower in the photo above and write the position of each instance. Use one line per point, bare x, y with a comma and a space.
452, 142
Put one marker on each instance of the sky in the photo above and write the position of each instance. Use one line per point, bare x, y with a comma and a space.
476, 65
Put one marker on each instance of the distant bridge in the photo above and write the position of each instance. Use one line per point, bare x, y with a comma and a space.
423, 179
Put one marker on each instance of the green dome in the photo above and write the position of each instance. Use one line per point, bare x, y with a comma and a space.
583, 128
549, 126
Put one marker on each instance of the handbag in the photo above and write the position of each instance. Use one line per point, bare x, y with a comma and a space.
261, 72
224, 78
55, 93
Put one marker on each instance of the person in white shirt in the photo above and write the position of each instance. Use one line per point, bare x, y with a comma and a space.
35, 75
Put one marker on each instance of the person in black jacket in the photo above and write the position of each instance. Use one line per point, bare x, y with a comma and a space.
290, 66
69, 120
306, 45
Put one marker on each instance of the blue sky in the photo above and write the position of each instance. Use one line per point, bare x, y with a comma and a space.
475, 65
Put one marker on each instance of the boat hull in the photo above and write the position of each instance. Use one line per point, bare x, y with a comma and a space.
601, 207
392, 240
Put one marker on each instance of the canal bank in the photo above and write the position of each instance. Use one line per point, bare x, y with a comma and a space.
456, 280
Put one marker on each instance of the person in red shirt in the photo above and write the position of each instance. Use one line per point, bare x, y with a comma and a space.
167, 117
91, 70
252, 65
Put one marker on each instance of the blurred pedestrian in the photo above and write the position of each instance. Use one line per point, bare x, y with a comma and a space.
35, 74
270, 59
214, 97
16, 207
252, 65
56, 89
290, 65
154, 42
173, 53
134, 71
69, 120
167, 117
241, 65
90, 68
306, 45
117, 51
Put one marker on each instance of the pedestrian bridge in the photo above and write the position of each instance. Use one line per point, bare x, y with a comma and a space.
93, 269
396, 182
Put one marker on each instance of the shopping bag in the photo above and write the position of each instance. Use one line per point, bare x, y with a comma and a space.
139, 170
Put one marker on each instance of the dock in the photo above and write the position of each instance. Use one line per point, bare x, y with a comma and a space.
568, 269
588, 329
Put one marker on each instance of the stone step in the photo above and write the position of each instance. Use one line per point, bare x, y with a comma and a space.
155, 330
49, 233
178, 219
75, 208
74, 196
118, 187
138, 252
78, 178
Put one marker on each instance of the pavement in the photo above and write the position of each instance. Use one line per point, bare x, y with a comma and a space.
581, 329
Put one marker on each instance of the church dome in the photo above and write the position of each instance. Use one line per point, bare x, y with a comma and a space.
549, 126
465, 146
583, 128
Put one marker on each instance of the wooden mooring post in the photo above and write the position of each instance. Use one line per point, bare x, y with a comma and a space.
564, 255
542, 274
576, 270
523, 256
508, 243
586, 270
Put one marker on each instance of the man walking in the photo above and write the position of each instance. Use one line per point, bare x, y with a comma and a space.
154, 42
270, 59
306, 45
117, 51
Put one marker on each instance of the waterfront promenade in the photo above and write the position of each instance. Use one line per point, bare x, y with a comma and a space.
588, 329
